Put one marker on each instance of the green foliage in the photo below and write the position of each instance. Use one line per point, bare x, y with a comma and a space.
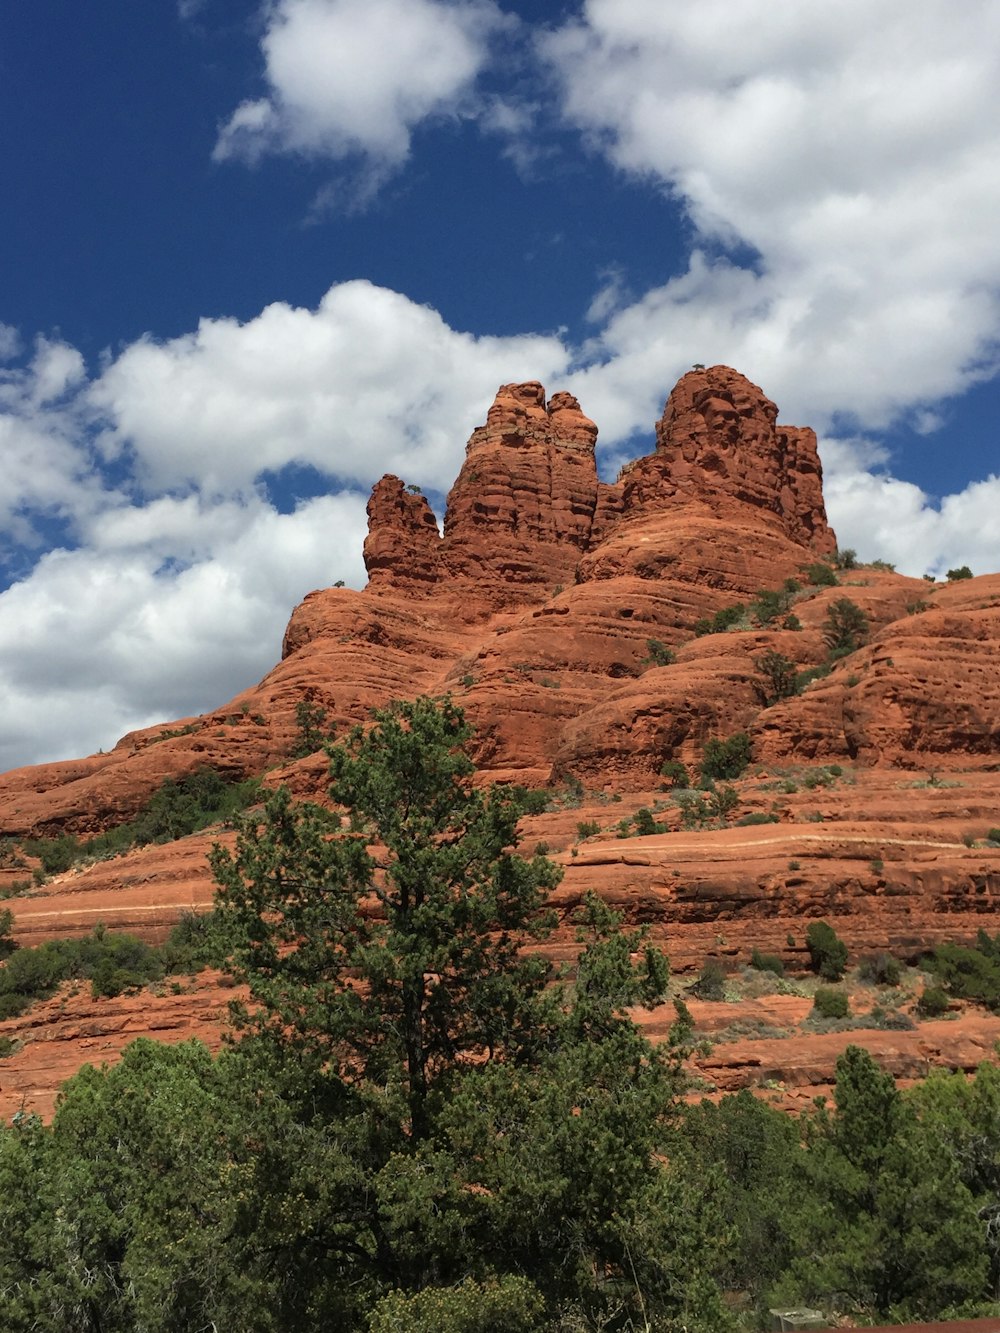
933, 1002
820, 575
779, 678
846, 559
722, 801
645, 824
55, 854
111, 962
587, 828
7, 942
676, 774
883, 1224
827, 951
723, 620
508, 1305
10, 857
179, 807
725, 759
188, 804
758, 1156
845, 628
830, 1003
438, 986
197, 941
970, 974
881, 970
767, 962
963, 572
993, 835
311, 728
530, 800
715, 803
769, 604
810, 674
189, 729
659, 654
711, 983
757, 817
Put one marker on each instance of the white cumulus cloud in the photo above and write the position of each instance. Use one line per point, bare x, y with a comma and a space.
120, 633
171, 590
347, 77
852, 150
369, 382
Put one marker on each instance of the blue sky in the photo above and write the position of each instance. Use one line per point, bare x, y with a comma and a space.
255, 256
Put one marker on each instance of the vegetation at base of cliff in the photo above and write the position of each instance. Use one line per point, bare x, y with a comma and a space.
180, 1191
969, 973
830, 1003
725, 759
827, 951
419, 1125
179, 807
112, 961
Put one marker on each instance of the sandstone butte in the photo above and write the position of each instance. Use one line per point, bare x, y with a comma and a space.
543, 609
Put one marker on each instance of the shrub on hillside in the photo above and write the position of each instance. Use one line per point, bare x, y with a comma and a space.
725, 759
969, 974
820, 575
830, 1003
675, 773
659, 653
779, 678
644, 823
827, 951
711, 983
845, 628
767, 962
881, 970
721, 621
933, 1002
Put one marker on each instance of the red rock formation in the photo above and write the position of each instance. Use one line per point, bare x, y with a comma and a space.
924, 693
522, 510
401, 549
717, 440
563, 681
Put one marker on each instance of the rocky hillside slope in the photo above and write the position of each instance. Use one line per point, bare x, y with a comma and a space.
594, 632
